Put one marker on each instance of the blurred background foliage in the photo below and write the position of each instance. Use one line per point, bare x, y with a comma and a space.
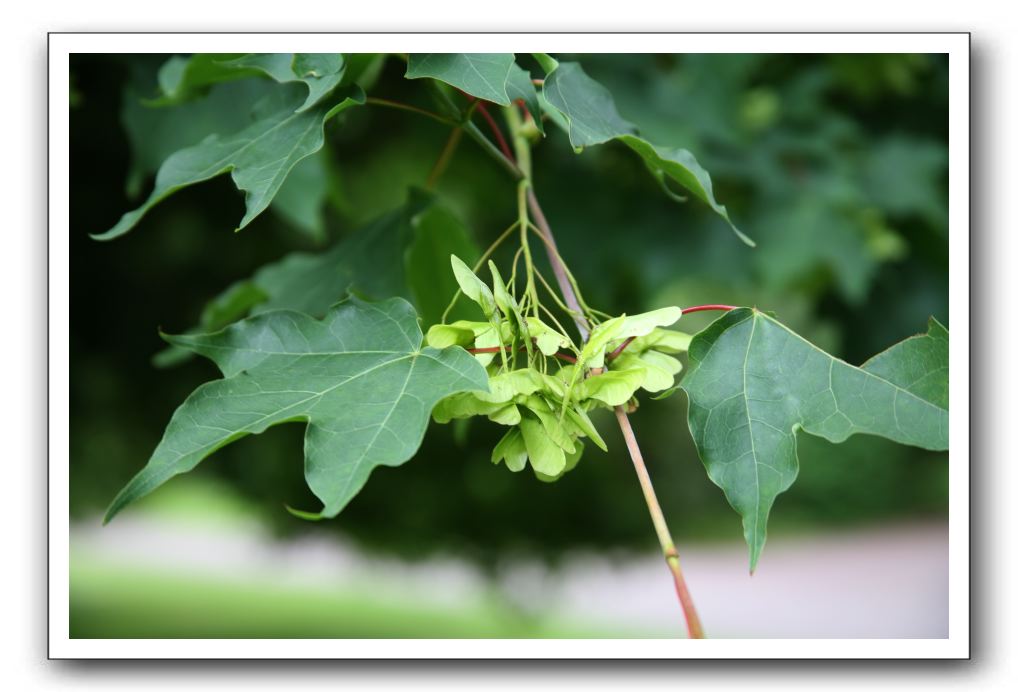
835, 164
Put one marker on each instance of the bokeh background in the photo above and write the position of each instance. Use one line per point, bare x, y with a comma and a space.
835, 164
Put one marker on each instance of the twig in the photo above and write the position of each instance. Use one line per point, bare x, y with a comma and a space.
664, 535
444, 157
556, 265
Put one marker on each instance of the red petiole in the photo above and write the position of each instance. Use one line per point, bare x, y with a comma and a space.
495, 349
701, 308
502, 143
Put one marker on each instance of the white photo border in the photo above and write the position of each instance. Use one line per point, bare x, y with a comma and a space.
955, 646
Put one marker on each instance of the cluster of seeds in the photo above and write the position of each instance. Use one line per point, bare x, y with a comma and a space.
542, 385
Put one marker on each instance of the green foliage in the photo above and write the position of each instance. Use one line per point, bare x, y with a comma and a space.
588, 107
592, 118
181, 78
390, 256
824, 214
484, 75
753, 383
259, 157
359, 378
520, 88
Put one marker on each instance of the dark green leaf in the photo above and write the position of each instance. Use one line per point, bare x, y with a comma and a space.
370, 261
918, 365
483, 75
258, 157
301, 198
359, 378
183, 78
753, 383
155, 133
587, 105
521, 88
321, 72
681, 166
592, 118
437, 234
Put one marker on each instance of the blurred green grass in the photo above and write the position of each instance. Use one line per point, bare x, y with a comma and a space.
113, 597
110, 600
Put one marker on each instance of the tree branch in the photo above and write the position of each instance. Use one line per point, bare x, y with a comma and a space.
583, 326
664, 536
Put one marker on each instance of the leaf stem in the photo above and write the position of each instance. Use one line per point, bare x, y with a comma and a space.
619, 349
497, 349
386, 103
701, 308
499, 137
562, 276
444, 157
664, 536
475, 134
467, 126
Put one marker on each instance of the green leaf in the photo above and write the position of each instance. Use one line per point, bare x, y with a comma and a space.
370, 260
231, 305
547, 63
918, 365
681, 166
259, 157
753, 383
359, 378
483, 75
520, 87
183, 78
587, 105
363, 69
155, 133
437, 234
589, 110
300, 200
